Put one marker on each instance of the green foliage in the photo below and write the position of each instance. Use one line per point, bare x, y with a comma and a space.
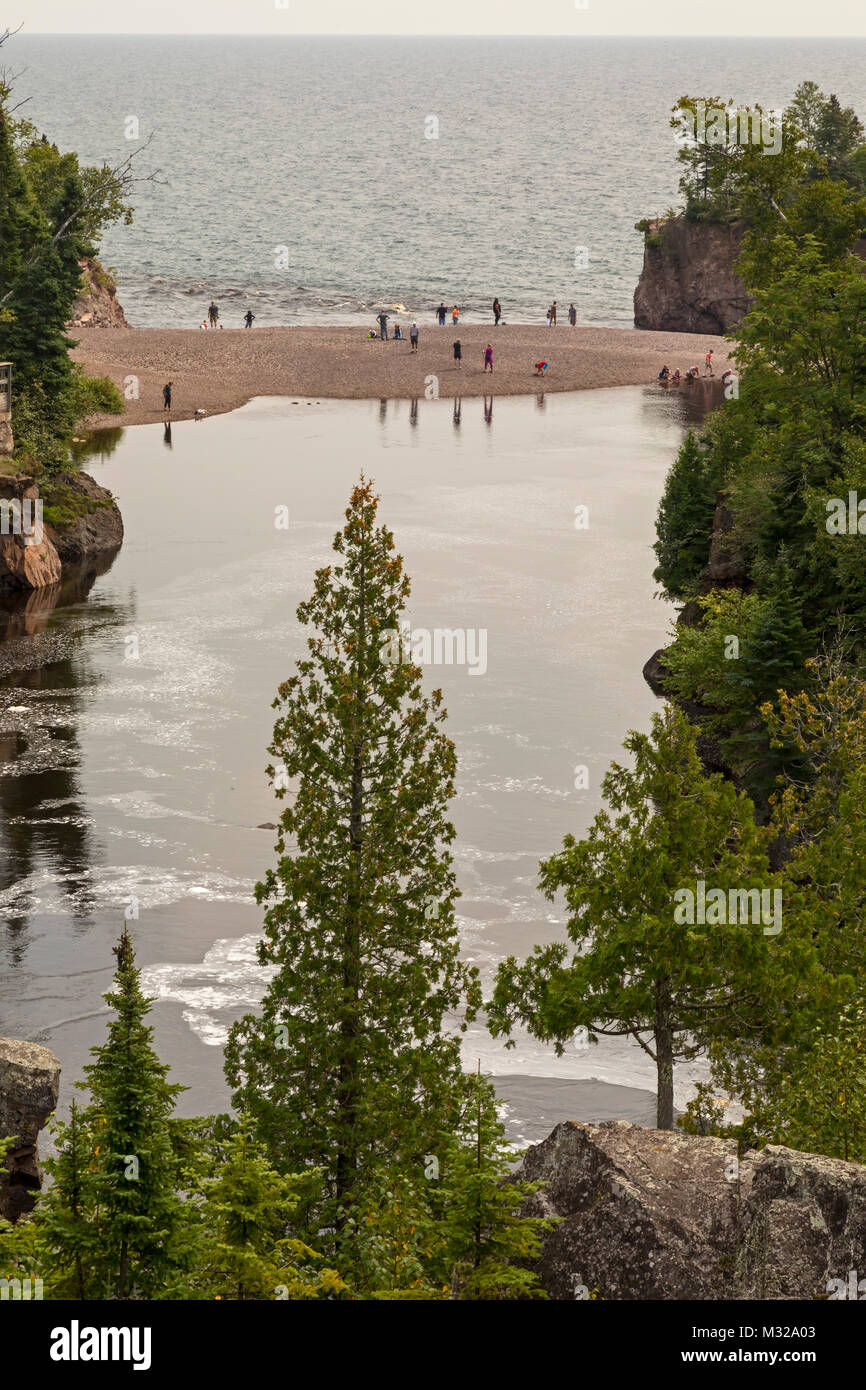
685, 517
52, 211
244, 1250
642, 969
360, 1070
130, 1115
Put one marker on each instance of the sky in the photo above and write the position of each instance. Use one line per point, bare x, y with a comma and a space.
772, 18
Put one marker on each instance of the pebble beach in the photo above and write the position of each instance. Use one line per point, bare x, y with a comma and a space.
215, 371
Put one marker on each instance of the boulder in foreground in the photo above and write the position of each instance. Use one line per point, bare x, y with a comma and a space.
29, 1086
654, 1215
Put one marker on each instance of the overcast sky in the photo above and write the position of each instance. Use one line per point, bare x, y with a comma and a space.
774, 18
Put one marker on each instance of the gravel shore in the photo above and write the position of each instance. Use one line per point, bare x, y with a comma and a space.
215, 371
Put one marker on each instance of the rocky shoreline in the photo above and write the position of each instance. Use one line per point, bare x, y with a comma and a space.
77, 523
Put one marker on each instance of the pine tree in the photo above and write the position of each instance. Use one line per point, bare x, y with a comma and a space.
350, 1064
489, 1242
141, 1219
244, 1251
67, 1216
685, 518
774, 657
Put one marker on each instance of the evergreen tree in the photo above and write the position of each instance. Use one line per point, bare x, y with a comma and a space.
350, 1064
245, 1251
488, 1240
685, 518
137, 1176
647, 966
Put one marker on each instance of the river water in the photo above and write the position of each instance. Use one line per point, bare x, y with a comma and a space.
134, 718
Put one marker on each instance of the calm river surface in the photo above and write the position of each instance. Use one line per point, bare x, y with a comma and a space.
142, 777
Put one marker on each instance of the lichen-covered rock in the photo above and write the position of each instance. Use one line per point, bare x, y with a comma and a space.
28, 559
84, 519
803, 1226
652, 1214
29, 1085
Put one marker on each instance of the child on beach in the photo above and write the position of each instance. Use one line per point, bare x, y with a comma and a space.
455, 316
540, 368
458, 354
488, 358
398, 333
708, 364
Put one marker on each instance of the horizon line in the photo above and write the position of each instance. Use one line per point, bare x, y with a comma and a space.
275, 34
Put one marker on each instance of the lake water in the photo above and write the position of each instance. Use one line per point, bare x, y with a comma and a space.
127, 776
319, 146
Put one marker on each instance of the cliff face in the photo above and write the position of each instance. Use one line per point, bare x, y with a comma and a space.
97, 306
77, 523
653, 1214
29, 1085
688, 283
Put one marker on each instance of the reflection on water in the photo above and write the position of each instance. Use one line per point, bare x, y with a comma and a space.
44, 670
142, 778
97, 445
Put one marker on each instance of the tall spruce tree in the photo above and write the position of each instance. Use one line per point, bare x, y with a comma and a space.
137, 1176
354, 1063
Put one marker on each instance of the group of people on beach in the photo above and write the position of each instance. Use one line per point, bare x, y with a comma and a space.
675, 377
212, 317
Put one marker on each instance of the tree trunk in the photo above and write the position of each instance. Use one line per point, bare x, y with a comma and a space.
664, 1042
349, 1080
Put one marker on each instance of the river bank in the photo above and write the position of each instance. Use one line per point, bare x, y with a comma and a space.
218, 371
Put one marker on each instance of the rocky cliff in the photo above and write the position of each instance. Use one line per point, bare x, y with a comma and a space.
653, 1214
97, 305
75, 523
29, 1085
688, 283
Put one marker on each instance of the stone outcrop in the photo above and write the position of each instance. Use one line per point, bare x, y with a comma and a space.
651, 1214
97, 305
93, 526
688, 283
77, 524
28, 558
29, 1085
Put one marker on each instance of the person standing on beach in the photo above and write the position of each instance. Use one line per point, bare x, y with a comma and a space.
455, 316
413, 337
708, 364
497, 313
213, 314
572, 316
488, 358
248, 318
166, 396
383, 326
553, 314
440, 314
458, 354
